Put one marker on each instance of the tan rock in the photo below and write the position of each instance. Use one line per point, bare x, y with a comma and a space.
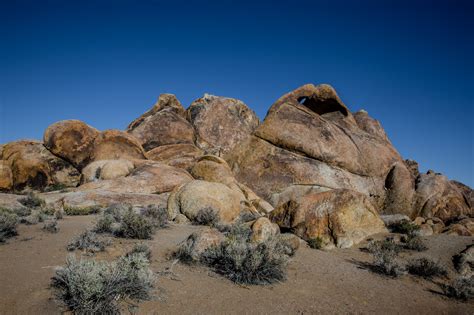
419, 221
11, 201
263, 229
6, 176
436, 196
425, 230
164, 124
197, 195
198, 242
340, 217
178, 155
149, 177
106, 169
33, 166
181, 219
220, 122
115, 145
72, 140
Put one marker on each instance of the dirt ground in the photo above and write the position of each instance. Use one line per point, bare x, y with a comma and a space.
331, 282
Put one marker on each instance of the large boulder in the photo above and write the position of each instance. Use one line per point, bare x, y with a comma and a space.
436, 196
164, 124
339, 217
147, 177
72, 140
220, 122
196, 196
467, 192
310, 138
33, 166
115, 144
181, 155
198, 242
106, 169
6, 176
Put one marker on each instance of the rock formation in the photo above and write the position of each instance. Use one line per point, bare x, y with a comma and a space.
311, 168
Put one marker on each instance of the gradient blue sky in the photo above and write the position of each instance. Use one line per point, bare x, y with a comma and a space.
408, 63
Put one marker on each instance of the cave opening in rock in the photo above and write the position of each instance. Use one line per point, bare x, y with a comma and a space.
322, 107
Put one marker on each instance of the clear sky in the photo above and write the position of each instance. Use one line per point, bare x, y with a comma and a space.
408, 63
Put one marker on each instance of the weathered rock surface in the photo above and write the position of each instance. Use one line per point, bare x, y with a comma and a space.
220, 122
6, 176
149, 178
11, 201
178, 155
467, 192
198, 242
310, 138
264, 229
436, 196
164, 124
33, 166
71, 140
464, 261
193, 197
106, 169
116, 144
339, 217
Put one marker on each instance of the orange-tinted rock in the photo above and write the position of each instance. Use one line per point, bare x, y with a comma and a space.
72, 140
220, 122
114, 145
164, 124
33, 166
340, 217
6, 176
177, 155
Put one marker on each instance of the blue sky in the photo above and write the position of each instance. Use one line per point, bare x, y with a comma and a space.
408, 63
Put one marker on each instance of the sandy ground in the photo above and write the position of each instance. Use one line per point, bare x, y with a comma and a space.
318, 282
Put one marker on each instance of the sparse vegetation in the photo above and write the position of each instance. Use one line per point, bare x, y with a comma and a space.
245, 262
206, 216
461, 288
404, 227
104, 224
414, 242
51, 226
316, 243
141, 248
247, 216
159, 215
92, 287
88, 241
385, 254
134, 225
8, 224
184, 251
81, 210
426, 268
32, 201
56, 187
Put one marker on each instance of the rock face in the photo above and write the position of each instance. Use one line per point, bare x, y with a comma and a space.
6, 176
148, 178
106, 169
310, 138
33, 166
72, 140
339, 217
220, 123
198, 195
116, 144
436, 196
177, 155
164, 124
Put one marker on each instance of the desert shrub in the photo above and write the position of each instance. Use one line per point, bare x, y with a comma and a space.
58, 215
92, 287
22, 212
88, 241
184, 251
104, 224
141, 248
51, 226
385, 255
404, 227
56, 187
414, 242
206, 216
81, 210
242, 261
117, 211
134, 225
35, 217
32, 201
316, 243
8, 224
426, 268
159, 215
461, 288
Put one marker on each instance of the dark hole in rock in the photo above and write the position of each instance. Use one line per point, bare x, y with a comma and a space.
322, 107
